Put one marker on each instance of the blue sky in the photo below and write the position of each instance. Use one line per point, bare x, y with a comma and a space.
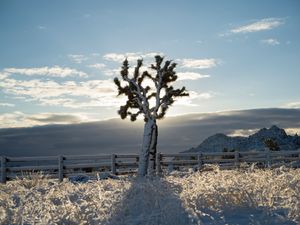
58, 58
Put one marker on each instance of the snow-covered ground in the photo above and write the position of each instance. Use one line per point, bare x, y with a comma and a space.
208, 197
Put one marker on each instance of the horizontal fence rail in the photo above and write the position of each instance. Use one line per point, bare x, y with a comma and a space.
69, 165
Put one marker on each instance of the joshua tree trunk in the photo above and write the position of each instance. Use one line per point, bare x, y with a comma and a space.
144, 154
152, 154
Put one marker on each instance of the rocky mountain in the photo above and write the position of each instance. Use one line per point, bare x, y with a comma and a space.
219, 142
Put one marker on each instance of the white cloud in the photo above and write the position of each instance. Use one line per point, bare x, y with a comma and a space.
112, 72
6, 104
198, 63
191, 76
151, 55
20, 119
71, 94
131, 56
97, 66
264, 24
270, 41
204, 96
85, 94
11, 119
294, 105
242, 132
78, 58
193, 96
55, 71
116, 72
292, 131
114, 57
149, 59
3, 75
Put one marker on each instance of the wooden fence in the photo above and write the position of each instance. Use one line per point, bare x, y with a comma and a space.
69, 165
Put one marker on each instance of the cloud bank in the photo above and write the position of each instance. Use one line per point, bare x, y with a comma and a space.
117, 136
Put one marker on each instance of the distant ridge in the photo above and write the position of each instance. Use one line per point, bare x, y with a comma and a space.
218, 142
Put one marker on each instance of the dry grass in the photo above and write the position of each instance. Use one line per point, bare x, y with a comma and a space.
208, 197
271, 194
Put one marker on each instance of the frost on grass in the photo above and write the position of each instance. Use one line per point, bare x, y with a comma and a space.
208, 197
48, 202
253, 196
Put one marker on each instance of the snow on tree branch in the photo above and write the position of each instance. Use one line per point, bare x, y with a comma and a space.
139, 95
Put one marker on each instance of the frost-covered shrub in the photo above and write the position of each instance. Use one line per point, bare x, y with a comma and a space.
274, 192
248, 196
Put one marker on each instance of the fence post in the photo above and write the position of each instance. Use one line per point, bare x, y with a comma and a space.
268, 158
157, 159
3, 169
113, 164
200, 163
236, 157
60, 168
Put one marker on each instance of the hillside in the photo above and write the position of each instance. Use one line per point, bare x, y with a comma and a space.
218, 142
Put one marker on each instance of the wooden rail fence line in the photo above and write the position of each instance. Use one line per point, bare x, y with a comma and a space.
69, 165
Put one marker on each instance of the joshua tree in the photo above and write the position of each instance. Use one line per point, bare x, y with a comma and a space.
151, 102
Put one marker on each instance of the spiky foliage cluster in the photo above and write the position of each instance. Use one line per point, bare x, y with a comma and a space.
139, 95
271, 144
